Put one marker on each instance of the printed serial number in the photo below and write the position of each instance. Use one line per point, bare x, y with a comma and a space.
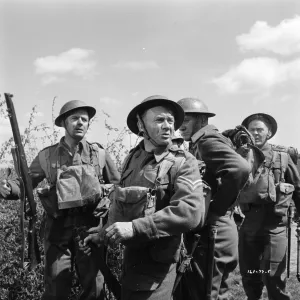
258, 271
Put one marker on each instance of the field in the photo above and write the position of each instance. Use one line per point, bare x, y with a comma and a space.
19, 284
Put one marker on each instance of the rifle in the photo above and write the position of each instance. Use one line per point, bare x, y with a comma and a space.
25, 187
186, 262
298, 251
289, 232
210, 260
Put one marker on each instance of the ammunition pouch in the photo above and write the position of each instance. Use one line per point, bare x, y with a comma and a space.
130, 203
284, 193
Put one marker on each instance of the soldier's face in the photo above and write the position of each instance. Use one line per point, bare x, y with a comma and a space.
260, 132
187, 129
77, 124
160, 122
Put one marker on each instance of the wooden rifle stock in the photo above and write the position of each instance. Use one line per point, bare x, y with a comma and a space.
26, 184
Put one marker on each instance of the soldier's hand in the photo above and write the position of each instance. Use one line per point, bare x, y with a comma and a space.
118, 232
5, 188
94, 236
85, 247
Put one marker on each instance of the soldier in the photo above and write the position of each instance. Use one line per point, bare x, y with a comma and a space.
226, 173
178, 140
264, 202
74, 169
159, 198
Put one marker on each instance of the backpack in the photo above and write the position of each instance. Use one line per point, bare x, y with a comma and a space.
292, 151
268, 185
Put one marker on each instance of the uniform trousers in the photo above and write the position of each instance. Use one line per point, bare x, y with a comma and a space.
262, 253
226, 259
62, 252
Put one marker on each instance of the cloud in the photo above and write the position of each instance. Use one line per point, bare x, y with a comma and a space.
109, 101
137, 65
76, 61
283, 39
258, 73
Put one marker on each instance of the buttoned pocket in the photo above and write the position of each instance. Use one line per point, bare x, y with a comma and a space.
284, 193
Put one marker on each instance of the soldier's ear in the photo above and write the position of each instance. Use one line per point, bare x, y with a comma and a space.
140, 124
269, 134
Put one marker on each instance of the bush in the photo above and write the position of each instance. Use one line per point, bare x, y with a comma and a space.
18, 282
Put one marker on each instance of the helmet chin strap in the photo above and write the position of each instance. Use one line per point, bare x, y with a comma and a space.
145, 132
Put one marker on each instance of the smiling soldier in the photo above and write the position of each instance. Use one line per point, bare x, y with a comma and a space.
159, 198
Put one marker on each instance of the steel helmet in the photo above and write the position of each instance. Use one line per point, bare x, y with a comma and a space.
195, 105
269, 119
72, 105
150, 102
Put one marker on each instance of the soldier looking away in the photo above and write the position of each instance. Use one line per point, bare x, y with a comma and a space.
226, 173
159, 198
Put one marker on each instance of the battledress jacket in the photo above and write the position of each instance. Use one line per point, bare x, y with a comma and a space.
180, 208
291, 174
226, 171
81, 156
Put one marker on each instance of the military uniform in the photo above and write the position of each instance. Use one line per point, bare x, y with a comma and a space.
151, 255
61, 248
263, 239
226, 173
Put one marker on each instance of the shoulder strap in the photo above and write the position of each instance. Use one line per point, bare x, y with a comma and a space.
127, 160
284, 160
98, 158
44, 160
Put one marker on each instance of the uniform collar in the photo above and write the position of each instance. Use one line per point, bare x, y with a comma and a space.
159, 153
200, 132
83, 146
266, 147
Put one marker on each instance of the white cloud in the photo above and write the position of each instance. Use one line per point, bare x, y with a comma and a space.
259, 73
109, 101
283, 39
137, 65
75, 61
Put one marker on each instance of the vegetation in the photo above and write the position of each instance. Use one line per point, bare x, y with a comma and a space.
18, 283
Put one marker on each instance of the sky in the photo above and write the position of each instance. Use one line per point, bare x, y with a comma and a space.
239, 56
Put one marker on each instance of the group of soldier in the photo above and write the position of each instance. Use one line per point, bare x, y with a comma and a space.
162, 198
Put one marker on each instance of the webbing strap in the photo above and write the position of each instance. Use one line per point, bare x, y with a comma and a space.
284, 160
45, 163
164, 168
